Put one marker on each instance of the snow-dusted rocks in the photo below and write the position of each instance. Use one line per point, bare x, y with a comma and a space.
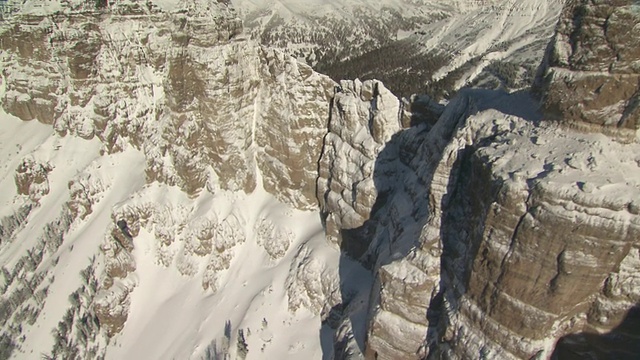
312, 283
364, 116
181, 151
205, 105
495, 235
31, 178
536, 220
326, 31
276, 241
85, 190
112, 307
176, 140
591, 74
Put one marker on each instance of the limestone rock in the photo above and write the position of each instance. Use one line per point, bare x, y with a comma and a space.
31, 178
478, 247
590, 77
208, 108
364, 116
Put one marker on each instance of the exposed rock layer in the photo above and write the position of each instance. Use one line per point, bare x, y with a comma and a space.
481, 242
208, 108
591, 74
488, 235
205, 106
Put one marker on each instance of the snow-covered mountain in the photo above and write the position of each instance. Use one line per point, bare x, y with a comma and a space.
490, 232
413, 46
161, 173
173, 188
328, 31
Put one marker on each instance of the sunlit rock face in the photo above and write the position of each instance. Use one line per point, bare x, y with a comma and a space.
178, 81
487, 233
183, 86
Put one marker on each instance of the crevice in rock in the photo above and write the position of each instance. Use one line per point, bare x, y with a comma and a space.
560, 268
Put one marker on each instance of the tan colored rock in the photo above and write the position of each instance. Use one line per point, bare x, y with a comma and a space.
31, 178
209, 109
491, 247
364, 116
590, 78
538, 253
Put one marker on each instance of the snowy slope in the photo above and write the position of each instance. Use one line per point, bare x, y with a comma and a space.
166, 307
509, 30
101, 260
171, 315
445, 43
159, 214
326, 31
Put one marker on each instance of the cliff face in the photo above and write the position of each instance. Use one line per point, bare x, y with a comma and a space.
364, 116
591, 74
209, 110
182, 86
538, 245
489, 234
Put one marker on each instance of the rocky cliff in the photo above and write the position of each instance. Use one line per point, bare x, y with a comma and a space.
212, 114
591, 75
489, 234
179, 84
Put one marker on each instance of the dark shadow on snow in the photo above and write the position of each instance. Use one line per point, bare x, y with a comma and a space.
520, 103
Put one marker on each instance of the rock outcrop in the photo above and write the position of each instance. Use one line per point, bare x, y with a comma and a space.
488, 234
591, 75
207, 107
483, 244
364, 116
179, 82
31, 178
528, 258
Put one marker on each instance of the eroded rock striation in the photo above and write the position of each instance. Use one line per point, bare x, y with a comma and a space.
528, 258
364, 116
494, 235
591, 74
490, 235
179, 82
183, 86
